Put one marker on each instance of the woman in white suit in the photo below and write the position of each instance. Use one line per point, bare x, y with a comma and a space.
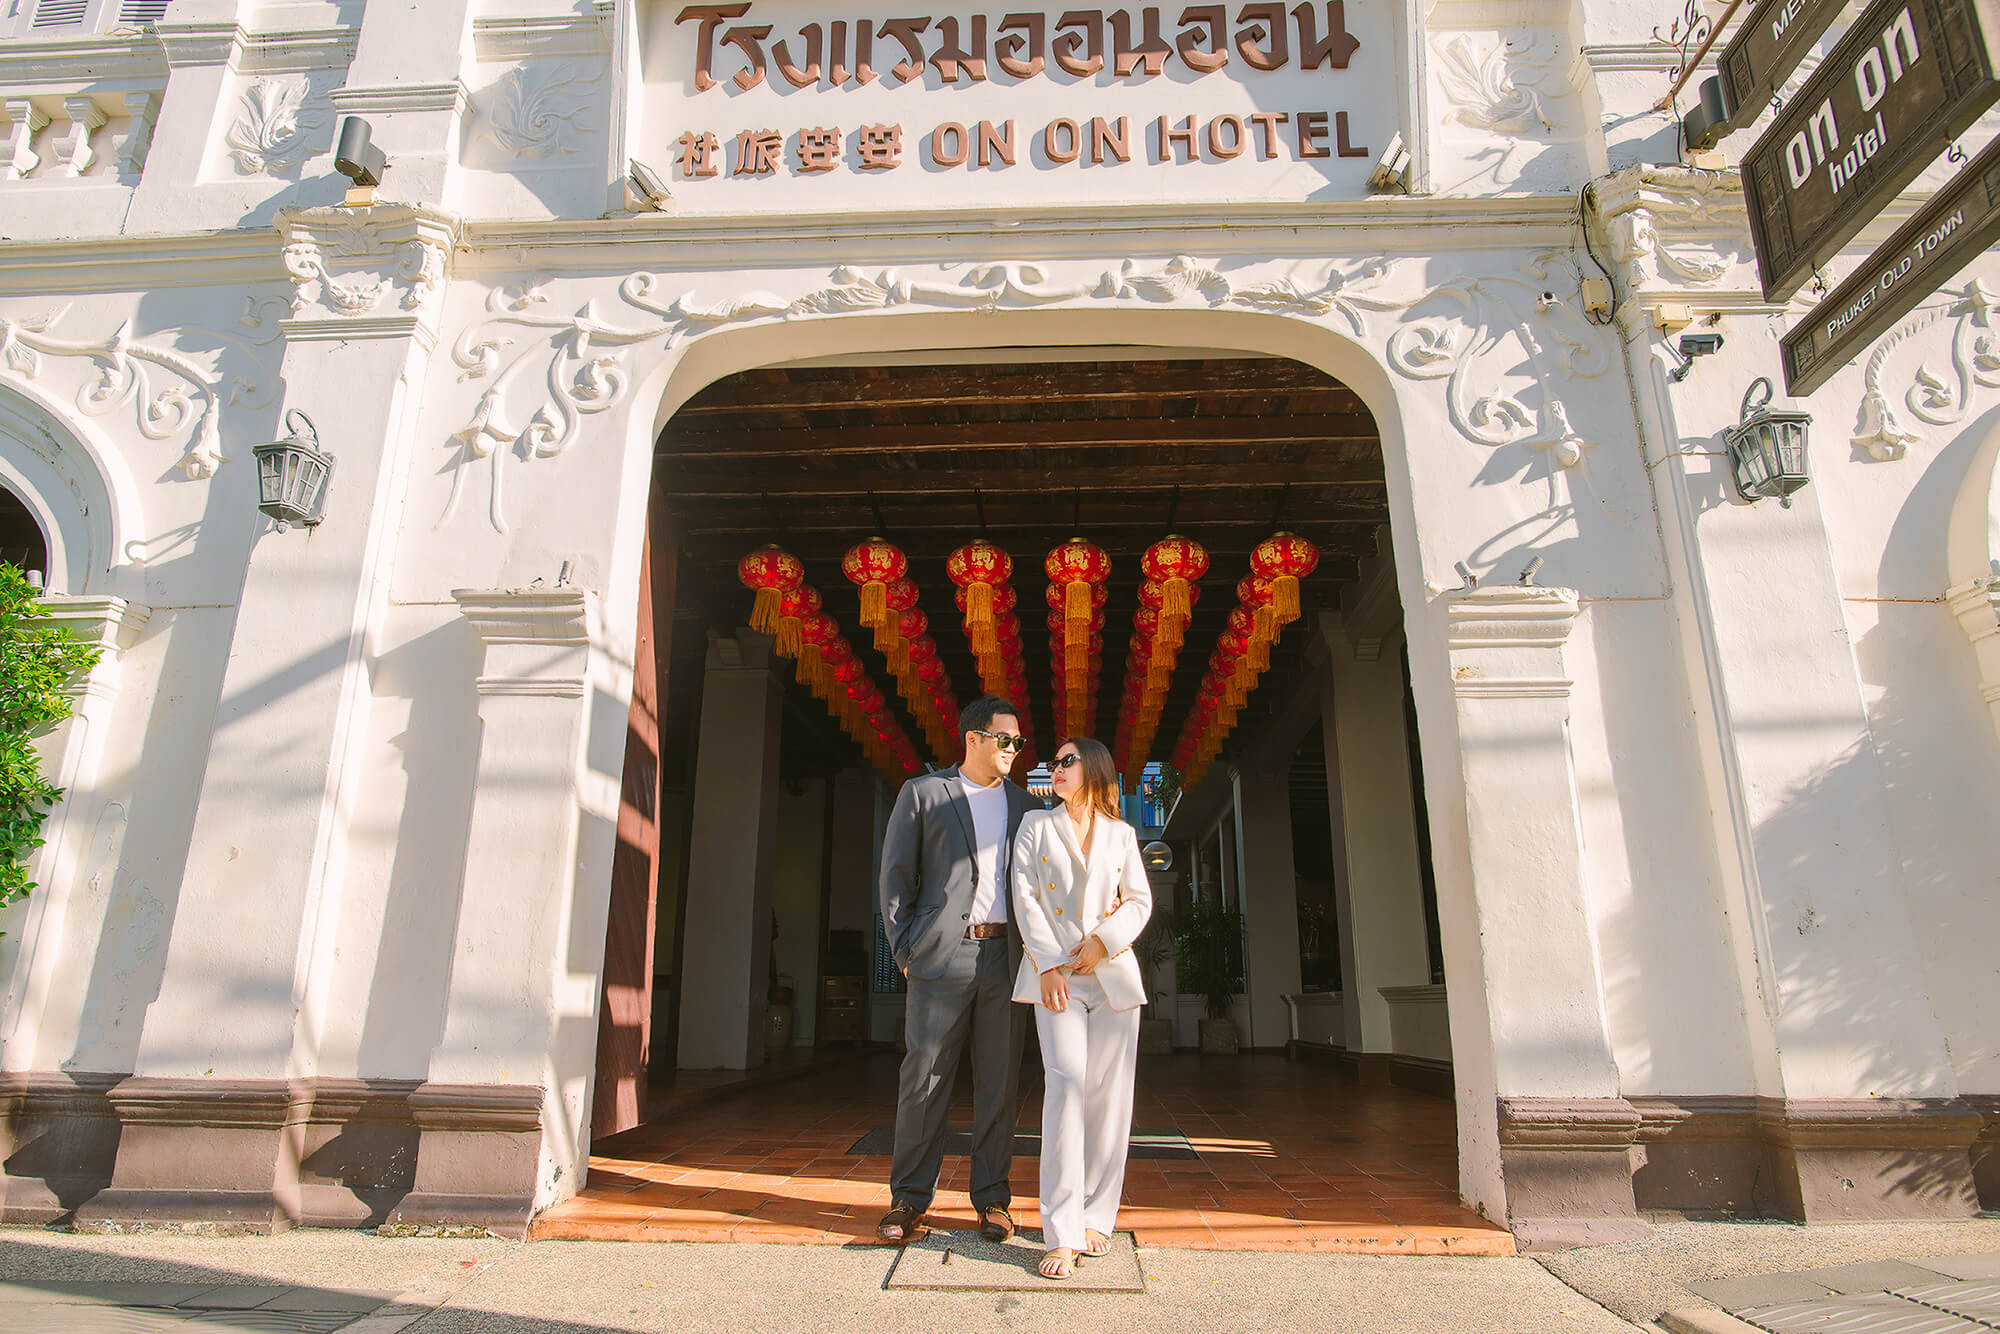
1081, 899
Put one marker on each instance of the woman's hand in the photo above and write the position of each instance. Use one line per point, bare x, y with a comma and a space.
1055, 990
1085, 957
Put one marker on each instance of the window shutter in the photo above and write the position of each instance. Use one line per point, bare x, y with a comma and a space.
142, 11
59, 13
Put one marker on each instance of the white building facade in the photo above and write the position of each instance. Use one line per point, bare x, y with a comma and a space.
324, 912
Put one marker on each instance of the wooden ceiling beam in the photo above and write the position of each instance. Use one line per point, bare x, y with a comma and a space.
1314, 429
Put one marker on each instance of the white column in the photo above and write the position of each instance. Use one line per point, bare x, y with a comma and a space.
522, 1005
1270, 902
726, 936
1563, 1130
50, 935
1379, 891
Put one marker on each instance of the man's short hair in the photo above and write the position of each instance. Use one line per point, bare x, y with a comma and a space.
978, 716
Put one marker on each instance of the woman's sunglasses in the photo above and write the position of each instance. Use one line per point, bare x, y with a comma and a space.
1004, 740
1065, 761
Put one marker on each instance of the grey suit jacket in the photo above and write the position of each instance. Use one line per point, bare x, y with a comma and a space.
929, 868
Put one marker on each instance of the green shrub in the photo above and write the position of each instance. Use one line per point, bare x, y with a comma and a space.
36, 660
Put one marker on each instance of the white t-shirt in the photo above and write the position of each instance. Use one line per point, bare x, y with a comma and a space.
989, 828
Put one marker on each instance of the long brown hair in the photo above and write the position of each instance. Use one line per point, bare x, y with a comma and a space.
1100, 775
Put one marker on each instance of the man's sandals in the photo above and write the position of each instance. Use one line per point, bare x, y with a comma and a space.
995, 1223
902, 1224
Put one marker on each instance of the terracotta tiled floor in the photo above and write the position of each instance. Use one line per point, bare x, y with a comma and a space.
1292, 1156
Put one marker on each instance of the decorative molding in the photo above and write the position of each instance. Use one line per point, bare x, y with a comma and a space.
110, 624
73, 64
72, 147
1510, 616
269, 136
297, 50
350, 263
582, 359
199, 43
536, 110
516, 37
1499, 87
1672, 227
539, 638
189, 398
139, 110
395, 97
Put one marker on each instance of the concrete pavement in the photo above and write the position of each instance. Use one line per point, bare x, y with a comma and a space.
434, 1285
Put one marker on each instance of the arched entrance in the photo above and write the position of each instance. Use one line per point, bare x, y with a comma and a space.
1025, 445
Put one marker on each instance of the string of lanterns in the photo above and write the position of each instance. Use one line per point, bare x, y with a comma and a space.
902, 634
1077, 570
986, 601
1267, 599
1173, 567
788, 608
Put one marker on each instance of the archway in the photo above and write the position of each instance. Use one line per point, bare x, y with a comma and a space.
1028, 444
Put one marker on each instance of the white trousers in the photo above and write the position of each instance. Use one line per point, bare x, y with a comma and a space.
1089, 1053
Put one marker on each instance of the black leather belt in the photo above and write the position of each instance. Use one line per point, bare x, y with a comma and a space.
986, 931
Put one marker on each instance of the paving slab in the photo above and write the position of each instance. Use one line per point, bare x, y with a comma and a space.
1980, 1264
329, 1299
1879, 1314
89, 1318
1738, 1294
1975, 1300
234, 1297
1868, 1276
967, 1262
267, 1321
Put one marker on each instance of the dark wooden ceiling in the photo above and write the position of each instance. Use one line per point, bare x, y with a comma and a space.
931, 456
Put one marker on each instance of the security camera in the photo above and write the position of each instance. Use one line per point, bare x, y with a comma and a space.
1700, 344
355, 157
1694, 345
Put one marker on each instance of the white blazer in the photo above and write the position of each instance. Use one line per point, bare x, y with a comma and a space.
1059, 898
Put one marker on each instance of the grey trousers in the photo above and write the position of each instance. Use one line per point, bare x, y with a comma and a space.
974, 999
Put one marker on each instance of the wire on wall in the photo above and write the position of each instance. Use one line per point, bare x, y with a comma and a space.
1586, 201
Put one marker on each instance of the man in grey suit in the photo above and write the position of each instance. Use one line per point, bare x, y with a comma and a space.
943, 886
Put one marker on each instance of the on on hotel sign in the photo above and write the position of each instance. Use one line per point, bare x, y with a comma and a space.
1903, 81
837, 106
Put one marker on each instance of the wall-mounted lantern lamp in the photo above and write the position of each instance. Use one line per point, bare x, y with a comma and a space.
292, 474
1768, 448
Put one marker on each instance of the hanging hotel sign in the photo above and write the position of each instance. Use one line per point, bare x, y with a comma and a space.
1903, 81
1958, 224
1767, 48
836, 107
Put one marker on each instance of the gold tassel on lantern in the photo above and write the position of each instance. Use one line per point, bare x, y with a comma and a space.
1175, 605
764, 610
789, 640
979, 616
1076, 611
1285, 601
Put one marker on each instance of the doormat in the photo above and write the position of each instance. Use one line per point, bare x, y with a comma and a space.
1028, 1143
967, 1262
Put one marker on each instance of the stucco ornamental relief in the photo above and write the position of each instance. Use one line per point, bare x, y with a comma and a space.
1512, 90
537, 110
172, 392
1642, 203
1511, 339
1943, 382
350, 263
273, 132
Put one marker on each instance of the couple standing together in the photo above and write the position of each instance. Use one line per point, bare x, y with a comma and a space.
989, 901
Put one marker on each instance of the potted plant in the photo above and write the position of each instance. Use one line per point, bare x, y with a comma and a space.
1153, 949
1208, 959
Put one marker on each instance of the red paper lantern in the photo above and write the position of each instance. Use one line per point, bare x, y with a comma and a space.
1078, 567
769, 571
979, 568
872, 566
1175, 563
795, 605
1284, 559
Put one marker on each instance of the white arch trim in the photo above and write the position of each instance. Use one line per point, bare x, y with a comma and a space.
1972, 556
74, 483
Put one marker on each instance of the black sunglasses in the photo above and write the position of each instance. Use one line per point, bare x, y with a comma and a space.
1004, 740
1065, 761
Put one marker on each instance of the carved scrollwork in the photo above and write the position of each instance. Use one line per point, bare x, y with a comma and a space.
173, 394
1504, 88
1936, 397
537, 110
347, 261
581, 358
